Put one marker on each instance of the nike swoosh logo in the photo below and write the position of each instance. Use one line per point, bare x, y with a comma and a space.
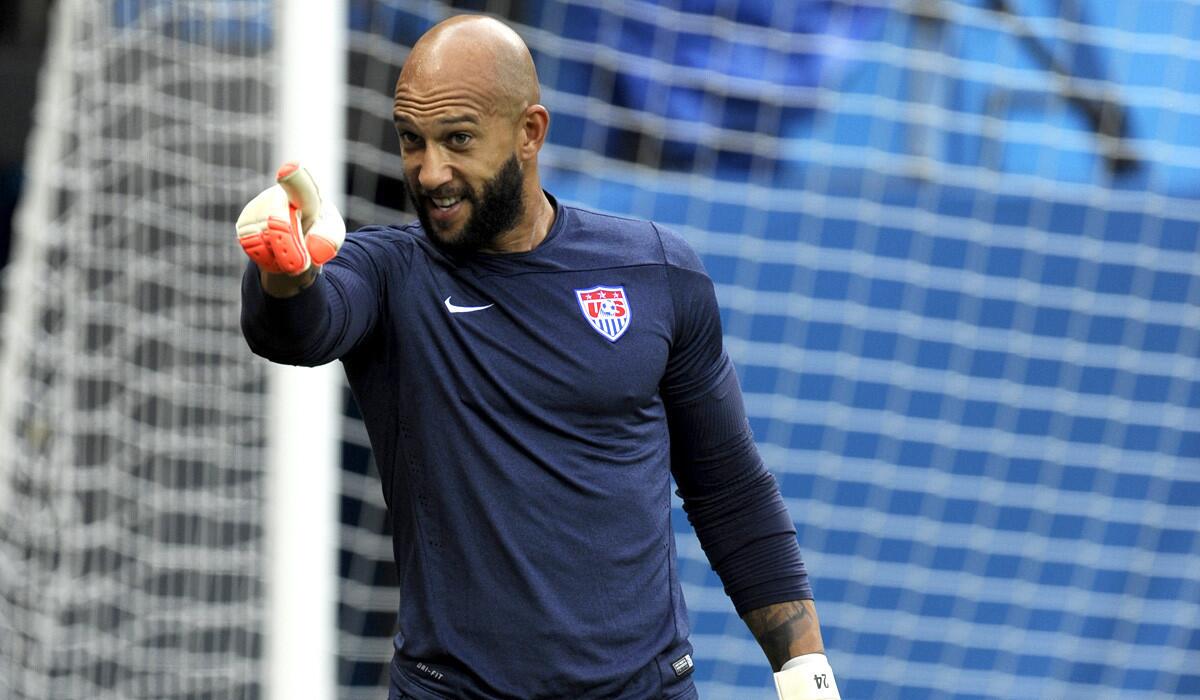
456, 309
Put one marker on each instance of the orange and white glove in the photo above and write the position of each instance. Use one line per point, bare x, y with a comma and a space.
287, 229
806, 677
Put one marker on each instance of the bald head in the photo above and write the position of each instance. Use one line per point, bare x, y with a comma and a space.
470, 127
479, 50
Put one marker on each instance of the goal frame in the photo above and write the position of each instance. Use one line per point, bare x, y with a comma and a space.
304, 404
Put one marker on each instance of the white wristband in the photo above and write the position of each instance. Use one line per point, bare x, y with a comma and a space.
807, 677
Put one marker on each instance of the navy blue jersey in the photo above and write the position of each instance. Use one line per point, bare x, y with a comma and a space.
522, 409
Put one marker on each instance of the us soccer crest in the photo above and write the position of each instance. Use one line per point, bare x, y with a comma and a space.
606, 308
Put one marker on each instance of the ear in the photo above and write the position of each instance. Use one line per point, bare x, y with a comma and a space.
534, 124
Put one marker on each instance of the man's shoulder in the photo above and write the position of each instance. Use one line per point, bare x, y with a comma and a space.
384, 234
388, 240
640, 241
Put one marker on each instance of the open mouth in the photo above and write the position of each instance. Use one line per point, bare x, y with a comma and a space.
443, 209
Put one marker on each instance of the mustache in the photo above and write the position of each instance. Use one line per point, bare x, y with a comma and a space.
446, 191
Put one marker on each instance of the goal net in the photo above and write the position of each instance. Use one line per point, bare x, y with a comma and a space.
130, 411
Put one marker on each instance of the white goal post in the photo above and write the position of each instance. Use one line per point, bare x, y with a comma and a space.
305, 403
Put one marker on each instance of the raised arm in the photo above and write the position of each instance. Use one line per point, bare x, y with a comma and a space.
292, 312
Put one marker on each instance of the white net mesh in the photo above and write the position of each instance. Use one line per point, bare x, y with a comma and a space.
130, 452
956, 248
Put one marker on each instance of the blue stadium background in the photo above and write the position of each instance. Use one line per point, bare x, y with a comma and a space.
956, 246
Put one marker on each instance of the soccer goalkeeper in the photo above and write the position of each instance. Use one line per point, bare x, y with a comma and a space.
531, 375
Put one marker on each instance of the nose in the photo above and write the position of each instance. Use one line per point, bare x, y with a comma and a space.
435, 170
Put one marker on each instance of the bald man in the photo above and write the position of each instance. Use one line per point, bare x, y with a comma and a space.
531, 375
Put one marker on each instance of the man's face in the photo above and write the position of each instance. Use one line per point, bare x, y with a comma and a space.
491, 212
460, 163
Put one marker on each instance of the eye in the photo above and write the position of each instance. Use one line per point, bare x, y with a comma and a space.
408, 138
460, 139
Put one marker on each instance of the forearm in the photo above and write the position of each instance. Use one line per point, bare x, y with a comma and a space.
732, 501
285, 323
284, 286
786, 630
750, 540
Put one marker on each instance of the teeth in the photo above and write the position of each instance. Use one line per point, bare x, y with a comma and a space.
445, 202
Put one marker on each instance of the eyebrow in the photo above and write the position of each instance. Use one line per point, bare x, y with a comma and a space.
444, 121
459, 119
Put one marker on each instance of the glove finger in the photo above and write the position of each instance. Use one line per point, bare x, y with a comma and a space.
301, 191
286, 241
320, 249
252, 226
258, 247
326, 235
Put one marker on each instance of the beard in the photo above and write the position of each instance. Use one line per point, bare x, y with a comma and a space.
494, 211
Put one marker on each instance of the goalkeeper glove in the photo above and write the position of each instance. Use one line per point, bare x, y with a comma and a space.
287, 229
806, 677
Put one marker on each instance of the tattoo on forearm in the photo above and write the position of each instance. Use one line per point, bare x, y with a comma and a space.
784, 630
777, 628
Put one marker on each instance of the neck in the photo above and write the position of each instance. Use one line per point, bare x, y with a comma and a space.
531, 230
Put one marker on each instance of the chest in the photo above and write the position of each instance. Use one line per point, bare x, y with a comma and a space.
593, 342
